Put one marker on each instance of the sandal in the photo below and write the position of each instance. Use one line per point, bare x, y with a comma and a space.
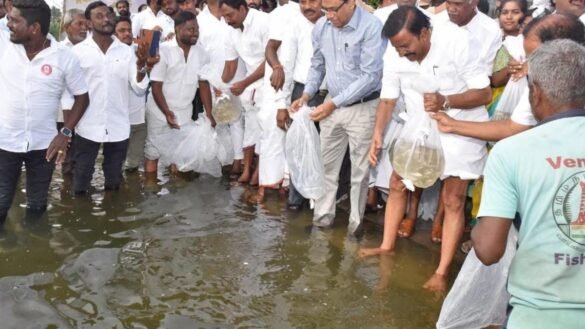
437, 232
406, 228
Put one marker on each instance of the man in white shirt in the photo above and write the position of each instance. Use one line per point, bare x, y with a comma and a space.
4, 20
153, 18
174, 83
289, 53
550, 27
213, 34
575, 8
484, 29
444, 54
271, 160
123, 8
75, 27
246, 41
109, 67
136, 105
30, 103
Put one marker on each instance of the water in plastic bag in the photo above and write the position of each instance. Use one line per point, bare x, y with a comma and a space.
514, 90
417, 155
303, 155
225, 110
225, 146
479, 297
196, 149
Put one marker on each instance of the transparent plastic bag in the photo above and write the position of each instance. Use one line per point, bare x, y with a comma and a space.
197, 148
479, 297
225, 147
417, 155
514, 89
303, 155
225, 109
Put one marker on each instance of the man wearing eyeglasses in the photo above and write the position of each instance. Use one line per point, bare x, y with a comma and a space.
348, 45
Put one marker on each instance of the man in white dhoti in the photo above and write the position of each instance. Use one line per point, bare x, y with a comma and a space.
246, 41
446, 53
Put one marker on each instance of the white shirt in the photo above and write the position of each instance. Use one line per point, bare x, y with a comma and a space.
213, 34
146, 19
295, 55
30, 92
281, 21
66, 100
582, 18
453, 63
487, 33
250, 44
136, 104
522, 113
108, 76
3, 22
180, 80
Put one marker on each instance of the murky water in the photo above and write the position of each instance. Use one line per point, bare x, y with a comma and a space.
190, 253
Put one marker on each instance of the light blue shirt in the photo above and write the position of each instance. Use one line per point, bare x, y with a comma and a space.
541, 175
352, 56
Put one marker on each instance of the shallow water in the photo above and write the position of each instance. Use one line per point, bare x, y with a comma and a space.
190, 253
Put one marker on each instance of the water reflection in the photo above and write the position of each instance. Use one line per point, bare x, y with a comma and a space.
190, 253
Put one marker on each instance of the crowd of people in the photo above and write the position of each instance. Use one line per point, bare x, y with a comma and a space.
517, 79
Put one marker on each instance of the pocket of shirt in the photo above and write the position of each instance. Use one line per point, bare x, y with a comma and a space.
351, 56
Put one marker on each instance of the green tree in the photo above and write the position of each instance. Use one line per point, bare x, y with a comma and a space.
56, 17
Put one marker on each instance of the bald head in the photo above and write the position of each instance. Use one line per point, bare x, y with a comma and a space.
552, 27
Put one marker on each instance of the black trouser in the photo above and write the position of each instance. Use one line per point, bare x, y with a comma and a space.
68, 164
294, 197
86, 152
38, 178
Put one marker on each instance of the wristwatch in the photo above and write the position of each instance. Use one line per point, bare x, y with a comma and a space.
142, 70
66, 132
446, 104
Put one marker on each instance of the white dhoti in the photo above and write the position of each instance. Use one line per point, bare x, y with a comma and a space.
465, 157
251, 98
271, 150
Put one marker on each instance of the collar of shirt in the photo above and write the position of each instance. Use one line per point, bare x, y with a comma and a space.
563, 115
354, 20
249, 20
91, 43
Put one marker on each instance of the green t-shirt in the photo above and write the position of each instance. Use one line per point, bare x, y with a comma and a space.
540, 174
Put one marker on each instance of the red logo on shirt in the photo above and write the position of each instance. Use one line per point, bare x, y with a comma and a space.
46, 69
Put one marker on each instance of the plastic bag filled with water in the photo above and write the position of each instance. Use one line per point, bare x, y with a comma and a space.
225, 109
417, 156
197, 148
478, 298
303, 155
514, 90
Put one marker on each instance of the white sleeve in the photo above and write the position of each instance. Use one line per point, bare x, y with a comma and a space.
136, 25
231, 53
75, 81
390, 79
523, 112
137, 87
468, 63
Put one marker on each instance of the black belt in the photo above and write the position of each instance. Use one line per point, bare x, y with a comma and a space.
370, 97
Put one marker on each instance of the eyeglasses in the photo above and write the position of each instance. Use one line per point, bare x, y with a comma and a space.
333, 10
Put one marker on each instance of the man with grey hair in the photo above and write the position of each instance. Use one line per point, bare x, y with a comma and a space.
75, 27
545, 185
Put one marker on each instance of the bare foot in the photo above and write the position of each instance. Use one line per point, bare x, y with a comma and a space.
244, 178
406, 227
437, 283
368, 252
254, 179
257, 197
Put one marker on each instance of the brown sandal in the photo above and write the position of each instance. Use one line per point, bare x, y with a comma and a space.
406, 227
437, 232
